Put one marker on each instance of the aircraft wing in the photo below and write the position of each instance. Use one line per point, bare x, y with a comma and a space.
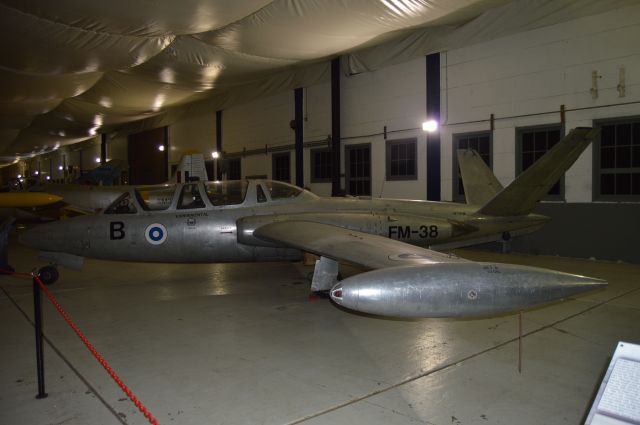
338, 243
74, 211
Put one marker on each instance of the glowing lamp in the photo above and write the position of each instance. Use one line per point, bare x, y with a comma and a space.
430, 126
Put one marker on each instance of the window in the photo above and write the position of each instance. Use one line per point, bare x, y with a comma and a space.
281, 190
358, 166
260, 196
617, 160
320, 165
532, 144
123, 205
190, 197
401, 159
233, 169
479, 142
154, 198
281, 163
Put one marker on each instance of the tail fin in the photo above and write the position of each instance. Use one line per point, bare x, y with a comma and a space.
520, 197
191, 167
480, 185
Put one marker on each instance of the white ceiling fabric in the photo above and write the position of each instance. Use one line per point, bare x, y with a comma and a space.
70, 69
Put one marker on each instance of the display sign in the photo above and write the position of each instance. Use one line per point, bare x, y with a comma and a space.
618, 399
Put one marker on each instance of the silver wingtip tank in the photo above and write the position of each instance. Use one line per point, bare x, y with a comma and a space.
457, 290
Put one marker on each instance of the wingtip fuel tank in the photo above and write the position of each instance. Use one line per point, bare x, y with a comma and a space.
457, 290
27, 199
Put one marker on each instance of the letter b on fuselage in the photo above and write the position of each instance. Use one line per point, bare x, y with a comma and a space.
116, 230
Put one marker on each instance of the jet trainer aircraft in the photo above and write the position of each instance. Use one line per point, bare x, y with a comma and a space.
262, 220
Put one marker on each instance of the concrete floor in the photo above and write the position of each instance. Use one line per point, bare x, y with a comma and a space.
244, 344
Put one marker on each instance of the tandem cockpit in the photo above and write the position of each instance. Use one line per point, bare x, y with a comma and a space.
197, 195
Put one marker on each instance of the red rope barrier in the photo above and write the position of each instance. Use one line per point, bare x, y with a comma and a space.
92, 349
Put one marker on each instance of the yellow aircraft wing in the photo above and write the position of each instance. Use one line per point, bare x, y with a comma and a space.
27, 199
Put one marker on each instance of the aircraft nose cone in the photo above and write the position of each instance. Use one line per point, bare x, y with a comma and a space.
336, 294
577, 284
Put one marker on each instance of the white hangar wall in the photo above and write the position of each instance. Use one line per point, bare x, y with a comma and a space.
316, 113
80, 157
535, 72
526, 74
195, 133
523, 80
529, 75
394, 97
259, 125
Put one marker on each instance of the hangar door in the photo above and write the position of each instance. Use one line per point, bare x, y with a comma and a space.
147, 163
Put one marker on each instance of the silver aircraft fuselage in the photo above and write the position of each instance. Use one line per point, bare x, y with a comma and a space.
224, 233
261, 220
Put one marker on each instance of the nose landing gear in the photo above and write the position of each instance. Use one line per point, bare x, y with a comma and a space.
506, 242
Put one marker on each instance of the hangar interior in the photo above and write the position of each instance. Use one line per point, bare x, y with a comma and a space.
276, 89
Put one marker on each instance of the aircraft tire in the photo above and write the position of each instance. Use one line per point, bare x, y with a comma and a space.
48, 275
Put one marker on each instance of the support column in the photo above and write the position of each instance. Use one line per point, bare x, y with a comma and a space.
335, 127
216, 171
165, 142
298, 95
433, 139
103, 148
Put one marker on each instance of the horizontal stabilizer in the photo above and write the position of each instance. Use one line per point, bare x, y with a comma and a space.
520, 197
480, 185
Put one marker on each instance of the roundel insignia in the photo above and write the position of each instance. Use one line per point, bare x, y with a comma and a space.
155, 233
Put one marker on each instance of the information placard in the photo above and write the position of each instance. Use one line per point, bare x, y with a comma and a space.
618, 399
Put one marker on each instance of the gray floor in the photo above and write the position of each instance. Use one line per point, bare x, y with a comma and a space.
244, 344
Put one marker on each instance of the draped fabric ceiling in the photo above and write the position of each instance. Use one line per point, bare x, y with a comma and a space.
70, 69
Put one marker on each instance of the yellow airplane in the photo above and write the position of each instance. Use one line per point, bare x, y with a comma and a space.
27, 199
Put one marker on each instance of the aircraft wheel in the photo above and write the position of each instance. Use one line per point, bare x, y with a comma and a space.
48, 274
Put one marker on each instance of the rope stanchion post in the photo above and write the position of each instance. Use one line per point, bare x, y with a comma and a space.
520, 342
38, 287
37, 312
95, 353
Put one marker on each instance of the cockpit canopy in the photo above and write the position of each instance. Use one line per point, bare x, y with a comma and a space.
223, 193
205, 194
